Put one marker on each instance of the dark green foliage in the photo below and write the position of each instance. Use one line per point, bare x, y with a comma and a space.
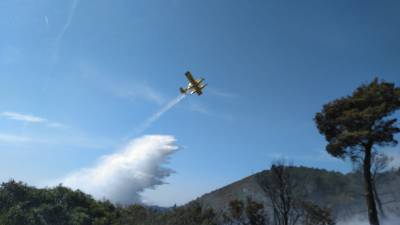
135, 214
353, 125
255, 213
352, 122
190, 214
21, 204
236, 209
315, 215
249, 213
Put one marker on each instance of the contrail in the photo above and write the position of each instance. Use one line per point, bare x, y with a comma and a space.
69, 19
64, 29
158, 114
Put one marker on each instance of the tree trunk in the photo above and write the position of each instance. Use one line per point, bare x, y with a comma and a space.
378, 201
369, 192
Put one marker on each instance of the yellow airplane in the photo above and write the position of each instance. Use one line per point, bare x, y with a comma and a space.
194, 86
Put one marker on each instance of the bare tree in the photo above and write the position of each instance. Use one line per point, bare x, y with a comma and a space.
280, 188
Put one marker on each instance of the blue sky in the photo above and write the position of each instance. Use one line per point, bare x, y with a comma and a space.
89, 73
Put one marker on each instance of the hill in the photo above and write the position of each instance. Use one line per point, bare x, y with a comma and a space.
342, 193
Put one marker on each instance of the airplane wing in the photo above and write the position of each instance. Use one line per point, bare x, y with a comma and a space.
198, 91
190, 78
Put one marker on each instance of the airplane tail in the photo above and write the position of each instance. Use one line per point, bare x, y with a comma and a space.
183, 91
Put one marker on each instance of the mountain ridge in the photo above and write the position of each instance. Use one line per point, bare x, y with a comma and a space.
341, 192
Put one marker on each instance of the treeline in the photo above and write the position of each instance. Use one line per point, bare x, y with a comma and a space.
23, 204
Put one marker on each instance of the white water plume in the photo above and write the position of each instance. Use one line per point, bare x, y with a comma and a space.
122, 176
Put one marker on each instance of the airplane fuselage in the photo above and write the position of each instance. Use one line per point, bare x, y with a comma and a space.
194, 86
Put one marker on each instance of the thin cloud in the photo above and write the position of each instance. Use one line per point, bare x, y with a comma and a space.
56, 125
11, 138
64, 139
30, 119
23, 117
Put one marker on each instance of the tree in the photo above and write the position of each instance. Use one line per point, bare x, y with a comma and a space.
251, 213
22, 204
282, 189
315, 215
236, 209
192, 213
255, 213
355, 125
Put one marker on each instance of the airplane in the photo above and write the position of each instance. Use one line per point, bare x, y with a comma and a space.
194, 86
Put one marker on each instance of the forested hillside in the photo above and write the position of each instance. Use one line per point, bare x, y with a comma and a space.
21, 204
341, 193
318, 197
